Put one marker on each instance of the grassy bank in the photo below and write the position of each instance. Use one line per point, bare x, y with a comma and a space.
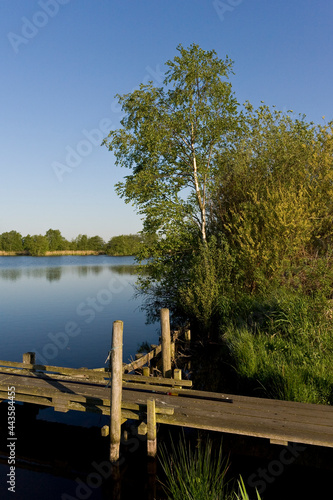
281, 346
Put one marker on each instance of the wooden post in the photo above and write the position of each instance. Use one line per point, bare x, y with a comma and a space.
116, 389
173, 350
29, 358
187, 335
105, 430
151, 428
166, 341
177, 375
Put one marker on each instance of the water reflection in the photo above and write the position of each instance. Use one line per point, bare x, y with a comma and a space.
56, 273
40, 297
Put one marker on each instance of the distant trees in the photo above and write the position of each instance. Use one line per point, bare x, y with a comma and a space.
11, 242
95, 243
124, 244
53, 241
36, 245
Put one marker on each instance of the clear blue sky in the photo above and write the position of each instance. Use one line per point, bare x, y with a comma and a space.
63, 61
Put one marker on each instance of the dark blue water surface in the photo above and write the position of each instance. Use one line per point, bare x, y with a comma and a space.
63, 308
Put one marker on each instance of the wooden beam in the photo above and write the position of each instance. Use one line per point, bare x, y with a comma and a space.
142, 429
151, 428
29, 358
105, 430
60, 403
139, 363
281, 442
166, 341
116, 389
156, 380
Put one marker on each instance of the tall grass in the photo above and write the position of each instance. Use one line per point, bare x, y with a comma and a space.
283, 346
198, 474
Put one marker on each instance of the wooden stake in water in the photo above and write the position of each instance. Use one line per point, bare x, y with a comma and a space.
166, 343
116, 389
151, 428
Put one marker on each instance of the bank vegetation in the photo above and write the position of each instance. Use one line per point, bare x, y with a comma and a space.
240, 201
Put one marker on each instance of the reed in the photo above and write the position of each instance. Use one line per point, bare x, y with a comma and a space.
198, 473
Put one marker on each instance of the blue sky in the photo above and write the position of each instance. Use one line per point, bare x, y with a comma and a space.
63, 61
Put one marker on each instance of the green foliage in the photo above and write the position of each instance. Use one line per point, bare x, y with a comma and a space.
273, 198
241, 203
242, 491
82, 242
194, 474
55, 240
282, 346
124, 244
36, 245
11, 242
170, 137
198, 474
52, 241
96, 243
206, 294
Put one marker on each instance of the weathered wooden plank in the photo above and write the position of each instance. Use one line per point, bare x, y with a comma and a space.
161, 389
50, 368
157, 380
139, 363
166, 341
116, 389
90, 376
278, 421
151, 428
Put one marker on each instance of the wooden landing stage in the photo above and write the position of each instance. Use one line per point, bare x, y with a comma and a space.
279, 421
114, 391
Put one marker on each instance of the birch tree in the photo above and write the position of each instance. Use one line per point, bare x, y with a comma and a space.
169, 140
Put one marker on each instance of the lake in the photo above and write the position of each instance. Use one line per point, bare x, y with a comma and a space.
63, 308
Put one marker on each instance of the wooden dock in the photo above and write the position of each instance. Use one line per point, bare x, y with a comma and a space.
166, 400
279, 421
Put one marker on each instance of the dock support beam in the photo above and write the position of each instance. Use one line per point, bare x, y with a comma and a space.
29, 358
151, 428
166, 343
116, 389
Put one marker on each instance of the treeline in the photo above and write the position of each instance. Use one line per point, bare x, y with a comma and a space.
53, 241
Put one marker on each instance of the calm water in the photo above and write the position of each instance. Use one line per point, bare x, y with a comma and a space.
62, 308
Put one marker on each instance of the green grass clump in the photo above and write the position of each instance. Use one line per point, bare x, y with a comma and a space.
284, 347
198, 474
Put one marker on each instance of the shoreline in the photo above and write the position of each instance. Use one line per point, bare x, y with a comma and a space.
50, 254
60, 253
